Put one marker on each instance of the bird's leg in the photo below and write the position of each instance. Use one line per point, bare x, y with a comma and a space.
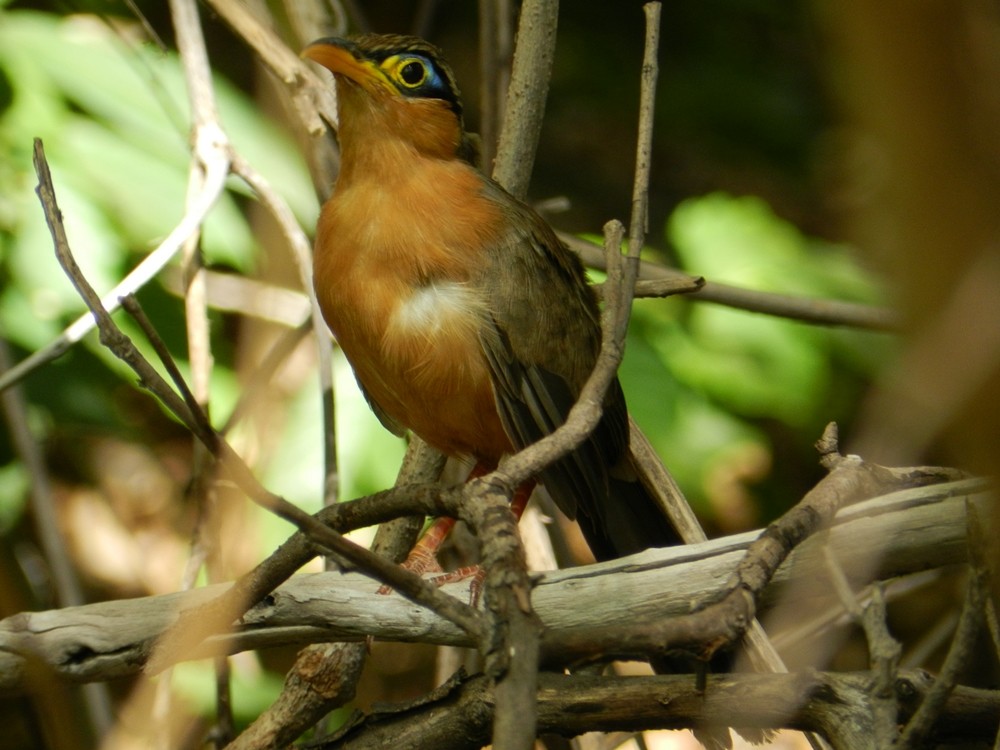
423, 557
517, 505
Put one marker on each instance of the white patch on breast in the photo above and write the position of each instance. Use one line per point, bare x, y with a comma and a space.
437, 306
433, 337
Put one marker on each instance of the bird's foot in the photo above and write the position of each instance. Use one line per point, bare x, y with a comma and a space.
423, 557
420, 560
475, 572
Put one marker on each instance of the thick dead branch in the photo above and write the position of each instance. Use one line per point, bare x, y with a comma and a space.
834, 705
914, 530
720, 622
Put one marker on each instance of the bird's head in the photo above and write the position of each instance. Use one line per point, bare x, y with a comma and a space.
395, 86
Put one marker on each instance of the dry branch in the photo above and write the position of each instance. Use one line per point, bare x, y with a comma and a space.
826, 312
458, 717
914, 530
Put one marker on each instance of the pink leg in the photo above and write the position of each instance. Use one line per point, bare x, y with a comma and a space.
478, 575
423, 557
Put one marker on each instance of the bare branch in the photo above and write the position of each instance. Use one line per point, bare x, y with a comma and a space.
807, 310
458, 717
313, 99
918, 729
150, 266
529, 85
916, 529
302, 253
726, 618
884, 650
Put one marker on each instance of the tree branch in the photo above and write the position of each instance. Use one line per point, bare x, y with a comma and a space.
914, 530
529, 85
458, 716
805, 309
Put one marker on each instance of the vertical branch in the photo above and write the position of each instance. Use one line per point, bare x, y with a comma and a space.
209, 144
639, 221
204, 115
529, 85
516, 713
495, 42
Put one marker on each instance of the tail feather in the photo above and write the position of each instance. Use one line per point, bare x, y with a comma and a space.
632, 522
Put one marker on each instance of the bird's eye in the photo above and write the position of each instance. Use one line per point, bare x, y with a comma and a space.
412, 73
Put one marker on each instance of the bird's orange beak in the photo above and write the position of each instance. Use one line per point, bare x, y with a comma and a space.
342, 58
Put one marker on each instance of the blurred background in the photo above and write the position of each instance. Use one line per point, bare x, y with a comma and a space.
836, 151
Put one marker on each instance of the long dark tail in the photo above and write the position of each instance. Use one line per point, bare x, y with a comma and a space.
629, 521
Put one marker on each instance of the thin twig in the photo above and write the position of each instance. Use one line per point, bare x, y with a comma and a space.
302, 253
808, 310
918, 729
312, 98
884, 650
150, 266
586, 412
264, 371
204, 118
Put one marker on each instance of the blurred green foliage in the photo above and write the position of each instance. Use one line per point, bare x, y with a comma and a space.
707, 382
113, 117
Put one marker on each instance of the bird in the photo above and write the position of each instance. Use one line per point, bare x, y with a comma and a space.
464, 317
